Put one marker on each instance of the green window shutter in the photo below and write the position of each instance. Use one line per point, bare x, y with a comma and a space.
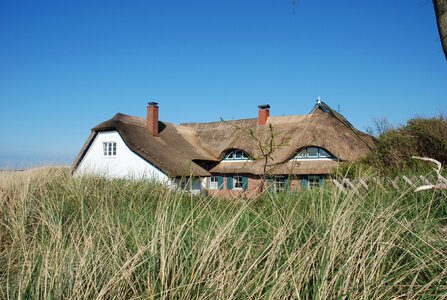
244, 183
270, 185
286, 183
304, 182
220, 182
321, 180
229, 183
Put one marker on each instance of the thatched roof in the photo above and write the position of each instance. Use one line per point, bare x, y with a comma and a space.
323, 127
197, 148
171, 152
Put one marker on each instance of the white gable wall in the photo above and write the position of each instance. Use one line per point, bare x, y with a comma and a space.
126, 163
192, 185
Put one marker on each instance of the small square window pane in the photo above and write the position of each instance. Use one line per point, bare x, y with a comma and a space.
314, 181
238, 154
237, 182
279, 183
312, 152
213, 183
302, 154
324, 153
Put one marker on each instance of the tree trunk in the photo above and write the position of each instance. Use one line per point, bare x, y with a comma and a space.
441, 18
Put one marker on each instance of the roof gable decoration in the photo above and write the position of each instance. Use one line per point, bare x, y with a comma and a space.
236, 155
313, 152
320, 105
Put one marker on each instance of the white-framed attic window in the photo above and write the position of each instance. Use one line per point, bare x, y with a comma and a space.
236, 155
109, 149
314, 153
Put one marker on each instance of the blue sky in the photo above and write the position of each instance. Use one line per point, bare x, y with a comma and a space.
66, 66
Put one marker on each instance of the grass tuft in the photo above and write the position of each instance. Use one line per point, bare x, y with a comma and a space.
90, 238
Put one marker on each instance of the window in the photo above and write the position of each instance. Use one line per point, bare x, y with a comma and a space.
237, 155
311, 181
279, 183
109, 148
314, 181
185, 184
214, 183
314, 153
237, 182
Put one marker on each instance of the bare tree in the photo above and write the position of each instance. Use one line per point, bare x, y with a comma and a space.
265, 148
441, 19
440, 7
380, 126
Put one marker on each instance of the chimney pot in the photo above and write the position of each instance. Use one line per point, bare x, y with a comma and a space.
263, 113
152, 117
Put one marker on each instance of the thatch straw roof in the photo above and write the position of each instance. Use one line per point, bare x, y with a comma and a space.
197, 148
171, 152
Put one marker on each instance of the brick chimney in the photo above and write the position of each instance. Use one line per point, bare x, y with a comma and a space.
264, 113
152, 118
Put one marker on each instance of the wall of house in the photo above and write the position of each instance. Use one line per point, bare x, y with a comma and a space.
192, 185
252, 191
254, 182
126, 163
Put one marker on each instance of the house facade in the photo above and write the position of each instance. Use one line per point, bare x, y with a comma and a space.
226, 158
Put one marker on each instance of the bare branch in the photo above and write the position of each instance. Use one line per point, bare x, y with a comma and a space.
266, 147
441, 179
431, 187
442, 182
441, 20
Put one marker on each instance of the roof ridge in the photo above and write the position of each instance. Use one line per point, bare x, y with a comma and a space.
222, 121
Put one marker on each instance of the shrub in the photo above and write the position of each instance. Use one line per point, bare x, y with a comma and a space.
420, 137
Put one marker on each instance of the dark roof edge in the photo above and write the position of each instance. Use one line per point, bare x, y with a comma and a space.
83, 150
327, 109
134, 148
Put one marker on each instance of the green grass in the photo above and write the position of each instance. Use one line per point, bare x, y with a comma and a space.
89, 238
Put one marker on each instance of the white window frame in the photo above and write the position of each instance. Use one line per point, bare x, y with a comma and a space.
279, 183
213, 183
313, 181
109, 149
237, 155
236, 181
304, 154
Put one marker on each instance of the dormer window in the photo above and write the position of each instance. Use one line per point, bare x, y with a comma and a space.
237, 155
314, 153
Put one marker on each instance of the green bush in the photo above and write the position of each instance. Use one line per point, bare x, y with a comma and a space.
419, 137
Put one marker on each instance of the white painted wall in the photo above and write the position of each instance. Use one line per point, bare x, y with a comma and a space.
126, 163
192, 185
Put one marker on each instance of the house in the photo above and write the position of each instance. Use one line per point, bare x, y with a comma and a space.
223, 157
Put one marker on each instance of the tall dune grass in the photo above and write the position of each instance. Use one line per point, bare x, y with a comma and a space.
89, 238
